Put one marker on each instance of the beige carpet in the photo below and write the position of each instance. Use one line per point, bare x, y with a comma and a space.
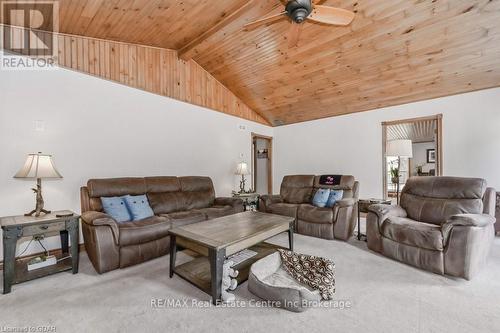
386, 296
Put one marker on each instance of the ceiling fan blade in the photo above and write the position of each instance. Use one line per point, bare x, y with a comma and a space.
265, 20
317, 2
294, 34
331, 15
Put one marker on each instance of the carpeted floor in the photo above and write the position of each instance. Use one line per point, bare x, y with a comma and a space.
385, 296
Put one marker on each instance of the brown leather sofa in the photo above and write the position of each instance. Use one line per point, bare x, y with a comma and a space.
175, 201
443, 225
295, 198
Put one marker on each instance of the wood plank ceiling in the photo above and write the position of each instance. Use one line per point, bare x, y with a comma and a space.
395, 51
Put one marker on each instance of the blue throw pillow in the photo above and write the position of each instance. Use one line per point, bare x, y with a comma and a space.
335, 195
139, 207
116, 208
321, 197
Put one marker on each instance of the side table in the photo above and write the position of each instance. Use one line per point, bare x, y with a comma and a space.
250, 200
16, 227
363, 205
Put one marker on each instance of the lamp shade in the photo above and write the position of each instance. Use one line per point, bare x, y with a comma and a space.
38, 166
242, 169
399, 148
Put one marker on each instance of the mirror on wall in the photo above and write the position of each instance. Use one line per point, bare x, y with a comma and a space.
411, 148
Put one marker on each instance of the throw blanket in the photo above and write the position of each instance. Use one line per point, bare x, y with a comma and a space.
315, 272
330, 180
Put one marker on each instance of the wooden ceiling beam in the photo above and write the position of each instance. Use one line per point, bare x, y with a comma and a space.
188, 51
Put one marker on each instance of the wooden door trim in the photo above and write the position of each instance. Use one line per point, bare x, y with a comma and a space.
439, 144
269, 164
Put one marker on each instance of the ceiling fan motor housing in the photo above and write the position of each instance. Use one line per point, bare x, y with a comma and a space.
298, 10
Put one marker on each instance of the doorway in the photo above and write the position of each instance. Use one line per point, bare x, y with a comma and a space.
262, 168
419, 143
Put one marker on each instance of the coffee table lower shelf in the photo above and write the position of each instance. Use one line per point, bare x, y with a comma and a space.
197, 271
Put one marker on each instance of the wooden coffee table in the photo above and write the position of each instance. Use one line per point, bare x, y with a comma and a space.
219, 238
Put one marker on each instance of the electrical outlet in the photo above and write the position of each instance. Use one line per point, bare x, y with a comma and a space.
39, 125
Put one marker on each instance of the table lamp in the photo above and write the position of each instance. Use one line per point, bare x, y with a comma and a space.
242, 169
38, 166
399, 148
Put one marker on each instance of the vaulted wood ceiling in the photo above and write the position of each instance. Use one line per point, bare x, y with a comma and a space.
395, 51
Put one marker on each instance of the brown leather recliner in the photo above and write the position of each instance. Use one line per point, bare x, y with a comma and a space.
175, 201
295, 198
443, 225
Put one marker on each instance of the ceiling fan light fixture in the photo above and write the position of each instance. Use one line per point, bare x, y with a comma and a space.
298, 10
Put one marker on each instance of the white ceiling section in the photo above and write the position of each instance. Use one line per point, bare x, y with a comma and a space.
417, 132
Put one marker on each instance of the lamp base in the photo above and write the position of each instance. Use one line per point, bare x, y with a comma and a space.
39, 201
242, 184
37, 213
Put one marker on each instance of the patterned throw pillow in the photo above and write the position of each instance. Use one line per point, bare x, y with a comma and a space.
138, 207
116, 208
321, 197
335, 195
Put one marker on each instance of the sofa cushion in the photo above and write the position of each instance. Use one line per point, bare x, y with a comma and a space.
116, 207
410, 232
143, 231
162, 184
297, 189
138, 207
285, 209
216, 211
435, 199
116, 187
313, 214
186, 217
347, 184
197, 192
166, 202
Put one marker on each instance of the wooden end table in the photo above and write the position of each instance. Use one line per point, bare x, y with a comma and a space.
16, 227
221, 237
250, 200
363, 205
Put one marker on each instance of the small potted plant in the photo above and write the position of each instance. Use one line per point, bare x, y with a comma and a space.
394, 174
419, 169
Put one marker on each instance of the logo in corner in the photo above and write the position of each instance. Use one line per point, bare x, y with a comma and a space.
29, 34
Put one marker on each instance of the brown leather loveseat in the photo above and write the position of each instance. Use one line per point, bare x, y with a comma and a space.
175, 201
295, 198
443, 225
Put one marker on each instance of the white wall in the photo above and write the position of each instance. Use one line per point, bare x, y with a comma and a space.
420, 157
96, 128
352, 144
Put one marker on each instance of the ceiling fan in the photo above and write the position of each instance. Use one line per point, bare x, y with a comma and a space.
301, 10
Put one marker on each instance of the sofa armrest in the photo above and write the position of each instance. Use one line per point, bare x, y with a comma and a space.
266, 200
345, 202
384, 211
94, 218
466, 220
344, 215
236, 203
